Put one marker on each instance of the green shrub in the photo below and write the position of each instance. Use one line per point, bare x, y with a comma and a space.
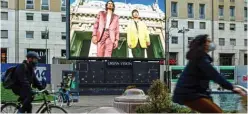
160, 101
131, 87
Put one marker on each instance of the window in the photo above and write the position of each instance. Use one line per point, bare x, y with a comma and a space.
63, 35
190, 39
174, 40
202, 11
63, 18
233, 42
63, 53
29, 34
174, 24
4, 4
221, 10
4, 15
232, 0
173, 58
245, 27
4, 34
202, 25
245, 42
221, 41
45, 17
190, 24
221, 26
245, 59
29, 4
174, 9
44, 35
232, 11
4, 55
29, 16
245, 12
63, 5
44, 4
226, 59
190, 10
232, 26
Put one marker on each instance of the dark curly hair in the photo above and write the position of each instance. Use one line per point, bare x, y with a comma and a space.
106, 5
197, 47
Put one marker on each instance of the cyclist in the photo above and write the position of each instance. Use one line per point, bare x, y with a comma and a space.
193, 84
66, 86
25, 79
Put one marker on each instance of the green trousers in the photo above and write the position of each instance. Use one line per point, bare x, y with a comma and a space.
138, 52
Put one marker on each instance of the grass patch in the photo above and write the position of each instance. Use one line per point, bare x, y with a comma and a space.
8, 96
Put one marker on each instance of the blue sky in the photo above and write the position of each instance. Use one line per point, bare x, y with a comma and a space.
145, 2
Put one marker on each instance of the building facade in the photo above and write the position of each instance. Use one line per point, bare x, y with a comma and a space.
225, 21
32, 25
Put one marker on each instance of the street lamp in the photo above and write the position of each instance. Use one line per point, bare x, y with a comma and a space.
46, 37
183, 31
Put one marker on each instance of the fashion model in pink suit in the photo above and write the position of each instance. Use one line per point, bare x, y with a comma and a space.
106, 31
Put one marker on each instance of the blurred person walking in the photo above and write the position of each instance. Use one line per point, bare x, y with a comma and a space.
193, 84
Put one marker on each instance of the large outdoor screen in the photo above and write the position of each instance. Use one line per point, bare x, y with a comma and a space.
118, 29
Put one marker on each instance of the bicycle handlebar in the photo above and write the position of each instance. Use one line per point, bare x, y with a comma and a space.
241, 87
42, 91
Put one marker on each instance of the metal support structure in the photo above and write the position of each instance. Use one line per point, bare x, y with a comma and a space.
183, 31
46, 37
167, 54
16, 32
213, 27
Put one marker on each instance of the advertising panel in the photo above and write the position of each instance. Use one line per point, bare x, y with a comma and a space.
42, 71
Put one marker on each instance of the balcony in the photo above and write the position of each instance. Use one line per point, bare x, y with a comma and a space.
190, 15
202, 16
173, 14
232, 18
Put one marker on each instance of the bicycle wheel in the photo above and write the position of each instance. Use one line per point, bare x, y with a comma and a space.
53, 109
59, 101
9, 108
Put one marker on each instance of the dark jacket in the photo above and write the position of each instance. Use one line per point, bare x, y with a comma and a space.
194, 81
25, 77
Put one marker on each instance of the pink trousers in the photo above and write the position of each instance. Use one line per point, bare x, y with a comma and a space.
105, 46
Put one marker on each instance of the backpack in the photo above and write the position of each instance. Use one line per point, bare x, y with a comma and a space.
8, 79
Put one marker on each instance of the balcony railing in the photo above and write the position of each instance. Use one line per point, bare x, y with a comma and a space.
202, 16
190, 15
232, 18
221, 17
173, 14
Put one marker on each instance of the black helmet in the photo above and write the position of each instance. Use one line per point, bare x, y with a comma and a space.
32, 54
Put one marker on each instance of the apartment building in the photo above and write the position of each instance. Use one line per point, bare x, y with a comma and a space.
32, 25
224, 20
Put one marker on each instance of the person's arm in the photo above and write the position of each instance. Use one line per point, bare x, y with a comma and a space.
37, 83
212, 74
117, 35
96, 25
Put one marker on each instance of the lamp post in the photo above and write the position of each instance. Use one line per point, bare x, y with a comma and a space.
183, 31
46, 37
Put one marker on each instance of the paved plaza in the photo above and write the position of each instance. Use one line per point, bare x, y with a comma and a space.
87, 103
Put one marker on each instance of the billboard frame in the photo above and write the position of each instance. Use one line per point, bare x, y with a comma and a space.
69, 57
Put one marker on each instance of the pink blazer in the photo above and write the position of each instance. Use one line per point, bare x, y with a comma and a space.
113, 27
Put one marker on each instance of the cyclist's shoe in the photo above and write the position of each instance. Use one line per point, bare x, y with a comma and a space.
69, 103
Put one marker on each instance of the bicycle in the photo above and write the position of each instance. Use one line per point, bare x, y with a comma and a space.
59, 98
46, 107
